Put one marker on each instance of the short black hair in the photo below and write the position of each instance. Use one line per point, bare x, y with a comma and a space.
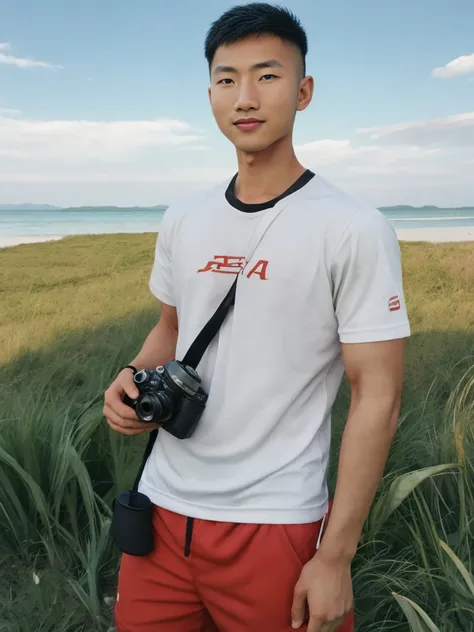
256, 18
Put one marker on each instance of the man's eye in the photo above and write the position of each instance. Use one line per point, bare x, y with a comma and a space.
269, 76
224, 80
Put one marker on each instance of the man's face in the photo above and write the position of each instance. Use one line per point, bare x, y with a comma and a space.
258, 79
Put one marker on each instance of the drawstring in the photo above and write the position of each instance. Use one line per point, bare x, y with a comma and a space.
321, 531
188, 537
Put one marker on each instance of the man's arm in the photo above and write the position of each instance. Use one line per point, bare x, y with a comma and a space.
375, 374
369, 306
160, 345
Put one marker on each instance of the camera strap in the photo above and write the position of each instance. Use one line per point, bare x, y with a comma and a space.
198, 348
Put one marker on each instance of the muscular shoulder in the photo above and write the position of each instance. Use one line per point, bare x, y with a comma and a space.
338, 217
195, 203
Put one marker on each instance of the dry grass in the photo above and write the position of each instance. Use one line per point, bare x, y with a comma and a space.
51, 289
439, 286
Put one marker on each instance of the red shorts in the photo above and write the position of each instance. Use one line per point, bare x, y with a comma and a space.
206, 576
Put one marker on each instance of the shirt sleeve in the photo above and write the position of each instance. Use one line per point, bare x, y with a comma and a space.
367, 282
161, 279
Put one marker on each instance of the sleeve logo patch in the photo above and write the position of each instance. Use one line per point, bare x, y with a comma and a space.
394, 304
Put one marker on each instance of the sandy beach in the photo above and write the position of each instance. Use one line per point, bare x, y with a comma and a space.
436, 235
16, 240
433, 235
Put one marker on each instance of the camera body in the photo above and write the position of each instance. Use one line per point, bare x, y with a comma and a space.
170, 395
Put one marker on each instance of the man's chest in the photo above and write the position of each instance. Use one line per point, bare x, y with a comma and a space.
288, 263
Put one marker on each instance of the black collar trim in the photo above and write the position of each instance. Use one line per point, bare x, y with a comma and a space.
253, 208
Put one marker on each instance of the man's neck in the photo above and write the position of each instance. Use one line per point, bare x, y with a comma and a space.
265, 175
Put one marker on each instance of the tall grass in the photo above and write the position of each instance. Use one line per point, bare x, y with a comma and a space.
425, 515
60, 466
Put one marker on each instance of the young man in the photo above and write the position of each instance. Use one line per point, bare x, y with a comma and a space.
240, 506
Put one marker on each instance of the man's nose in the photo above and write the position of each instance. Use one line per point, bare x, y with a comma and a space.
247, 97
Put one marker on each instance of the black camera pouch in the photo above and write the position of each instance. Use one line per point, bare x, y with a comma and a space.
132, 514
132, 524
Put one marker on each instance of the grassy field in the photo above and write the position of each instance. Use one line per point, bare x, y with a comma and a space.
73, 312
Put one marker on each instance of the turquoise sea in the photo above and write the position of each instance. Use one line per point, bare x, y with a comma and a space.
80, 221
62, 222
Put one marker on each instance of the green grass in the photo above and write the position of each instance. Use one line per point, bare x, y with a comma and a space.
73, 312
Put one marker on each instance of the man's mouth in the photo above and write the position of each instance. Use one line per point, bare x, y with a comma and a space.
248, 124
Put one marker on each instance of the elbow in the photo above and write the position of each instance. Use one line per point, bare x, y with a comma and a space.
393, 412
394, 415
383, 407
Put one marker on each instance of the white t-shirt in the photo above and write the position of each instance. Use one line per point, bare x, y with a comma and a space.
326, 272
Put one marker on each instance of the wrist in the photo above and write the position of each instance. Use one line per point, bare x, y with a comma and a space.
333, 559
130, 367
333, 553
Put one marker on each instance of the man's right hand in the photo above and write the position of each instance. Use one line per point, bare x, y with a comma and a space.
120, 417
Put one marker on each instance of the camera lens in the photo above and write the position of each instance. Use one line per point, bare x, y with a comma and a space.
153, 408
149, 409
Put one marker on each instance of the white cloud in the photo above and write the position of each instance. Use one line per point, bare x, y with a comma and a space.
359, 158
421, 162
175, 175
89, 162
155, 161
82, 141
453, 131
347, 157
327, 151
196, 148
463, 65
9, 112
6, 57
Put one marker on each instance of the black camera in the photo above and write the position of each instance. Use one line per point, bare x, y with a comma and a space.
171, 395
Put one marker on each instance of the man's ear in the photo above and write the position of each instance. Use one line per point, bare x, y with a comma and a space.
306, 93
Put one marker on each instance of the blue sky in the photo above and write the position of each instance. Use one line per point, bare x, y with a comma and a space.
106, 102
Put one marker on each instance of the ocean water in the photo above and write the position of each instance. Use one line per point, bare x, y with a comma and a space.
138, 220
79, 222
429, 217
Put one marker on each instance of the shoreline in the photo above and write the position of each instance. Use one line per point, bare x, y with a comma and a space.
436, 235
17, 240
431, 235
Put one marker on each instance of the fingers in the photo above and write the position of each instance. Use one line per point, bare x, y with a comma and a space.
113, 399
118, 420
325, 627
124, 411
298, 608
335, 625
121, 417
126, 426
129, 432
129, 388
315, 625
319, 625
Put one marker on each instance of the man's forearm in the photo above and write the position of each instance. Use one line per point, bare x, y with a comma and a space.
365, 446
158, 348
